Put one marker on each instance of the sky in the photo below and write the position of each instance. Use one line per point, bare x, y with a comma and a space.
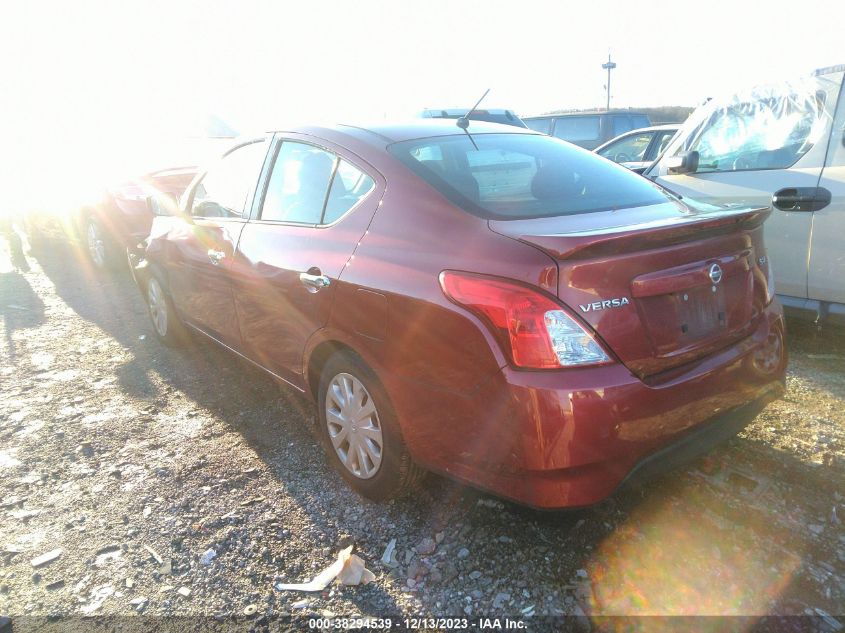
98, 87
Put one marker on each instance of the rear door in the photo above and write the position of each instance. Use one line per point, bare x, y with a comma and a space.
200, 261
315, 205
826, 280
766, 141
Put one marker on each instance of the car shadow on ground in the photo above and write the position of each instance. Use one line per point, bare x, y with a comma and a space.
739, 513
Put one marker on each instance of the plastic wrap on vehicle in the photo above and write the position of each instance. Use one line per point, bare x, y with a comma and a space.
774, 124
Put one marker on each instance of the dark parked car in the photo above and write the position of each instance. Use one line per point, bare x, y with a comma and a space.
588, 129
122, 217
490, 115
503, 308
638, 149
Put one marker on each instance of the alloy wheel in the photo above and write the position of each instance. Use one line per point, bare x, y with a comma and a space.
353, 425
158, 307
96, 245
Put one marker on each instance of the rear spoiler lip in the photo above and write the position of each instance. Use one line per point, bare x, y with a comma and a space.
626, 238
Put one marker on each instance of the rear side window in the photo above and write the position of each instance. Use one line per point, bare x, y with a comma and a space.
621, 124
539, 125
640, 120
349, 185
298, 185
309, 185
578, 128
515, 176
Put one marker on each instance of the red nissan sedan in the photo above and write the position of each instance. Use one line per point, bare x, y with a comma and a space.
494, 304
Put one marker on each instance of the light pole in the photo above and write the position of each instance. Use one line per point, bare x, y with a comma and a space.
609, 66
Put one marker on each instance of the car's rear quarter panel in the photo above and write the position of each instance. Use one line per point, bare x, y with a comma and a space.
434, 358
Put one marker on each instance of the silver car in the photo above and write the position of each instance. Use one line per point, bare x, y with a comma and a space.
638, 149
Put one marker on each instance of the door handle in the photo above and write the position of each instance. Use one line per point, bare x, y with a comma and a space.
315, 282
215, 256
801, 199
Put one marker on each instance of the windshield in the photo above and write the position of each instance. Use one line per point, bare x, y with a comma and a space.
517, 176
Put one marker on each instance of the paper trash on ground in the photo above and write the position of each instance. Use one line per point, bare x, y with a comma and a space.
348, 567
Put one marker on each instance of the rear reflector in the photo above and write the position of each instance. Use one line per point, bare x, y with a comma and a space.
537, 332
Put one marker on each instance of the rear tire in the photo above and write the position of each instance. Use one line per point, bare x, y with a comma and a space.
360, 430
167, 325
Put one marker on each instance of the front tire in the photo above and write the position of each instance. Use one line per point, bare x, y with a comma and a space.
166, 323
100, 248
360, 431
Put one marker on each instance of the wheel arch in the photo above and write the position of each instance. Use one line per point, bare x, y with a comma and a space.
319, 356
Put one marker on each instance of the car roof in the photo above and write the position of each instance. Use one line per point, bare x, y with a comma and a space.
654, 128
384, 133
583, 113
829, 69
461, 111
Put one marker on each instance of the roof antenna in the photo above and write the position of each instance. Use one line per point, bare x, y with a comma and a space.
463, 122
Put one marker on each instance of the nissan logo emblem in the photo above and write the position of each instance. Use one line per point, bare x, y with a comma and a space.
715, 273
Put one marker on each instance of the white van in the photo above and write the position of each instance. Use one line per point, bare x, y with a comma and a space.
780, 145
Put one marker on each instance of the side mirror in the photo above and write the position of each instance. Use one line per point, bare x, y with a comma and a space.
683, 163
163, 204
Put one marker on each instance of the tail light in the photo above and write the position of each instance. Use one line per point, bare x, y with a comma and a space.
536, 331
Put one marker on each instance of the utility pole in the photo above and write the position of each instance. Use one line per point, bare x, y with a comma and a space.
608, 66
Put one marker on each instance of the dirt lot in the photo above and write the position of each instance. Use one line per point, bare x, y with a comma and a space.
135, 461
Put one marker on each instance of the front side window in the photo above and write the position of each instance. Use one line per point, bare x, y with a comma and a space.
224, 189
629, 149
515, 176
769, 129
578, 128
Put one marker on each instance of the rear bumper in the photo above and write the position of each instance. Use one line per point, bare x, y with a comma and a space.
570, 438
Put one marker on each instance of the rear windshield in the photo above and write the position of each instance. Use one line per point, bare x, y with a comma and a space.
516, 176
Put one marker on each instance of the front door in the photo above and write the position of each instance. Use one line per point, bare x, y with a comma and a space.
827, 254
202, 249
316, 205
767, 141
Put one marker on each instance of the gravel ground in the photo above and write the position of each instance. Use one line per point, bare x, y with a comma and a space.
132, 463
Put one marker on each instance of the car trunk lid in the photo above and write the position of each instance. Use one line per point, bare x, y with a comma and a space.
662, 285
